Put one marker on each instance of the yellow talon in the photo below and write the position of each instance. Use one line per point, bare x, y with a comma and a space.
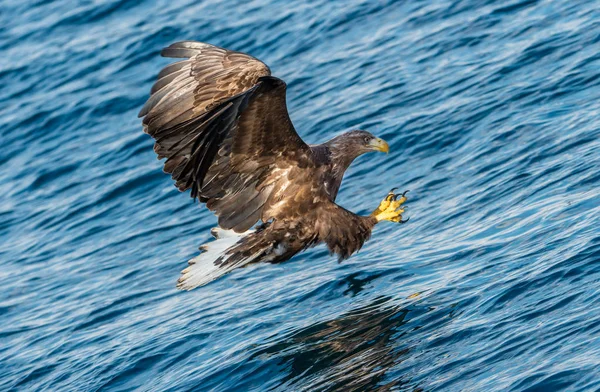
389, 209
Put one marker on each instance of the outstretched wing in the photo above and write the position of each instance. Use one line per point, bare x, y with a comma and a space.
343, 231
221, 121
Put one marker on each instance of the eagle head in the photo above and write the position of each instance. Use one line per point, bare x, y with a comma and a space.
357, 142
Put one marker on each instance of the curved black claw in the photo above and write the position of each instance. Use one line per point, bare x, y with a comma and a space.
390, 196
405, 220
397, 195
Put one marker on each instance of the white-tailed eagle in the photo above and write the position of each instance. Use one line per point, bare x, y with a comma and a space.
221, 120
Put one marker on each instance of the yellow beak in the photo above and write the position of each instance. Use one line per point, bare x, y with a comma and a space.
378, 144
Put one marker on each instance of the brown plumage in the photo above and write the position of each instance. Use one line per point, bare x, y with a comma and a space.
221, 120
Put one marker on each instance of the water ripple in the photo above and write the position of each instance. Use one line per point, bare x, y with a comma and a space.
491, 111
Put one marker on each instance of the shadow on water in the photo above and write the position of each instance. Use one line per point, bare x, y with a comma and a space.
350, 353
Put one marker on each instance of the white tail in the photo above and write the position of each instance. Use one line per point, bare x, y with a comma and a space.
202, 268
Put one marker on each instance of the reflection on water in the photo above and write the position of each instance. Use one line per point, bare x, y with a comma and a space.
351, 353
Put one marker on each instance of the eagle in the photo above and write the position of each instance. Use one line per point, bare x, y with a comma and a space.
220, 120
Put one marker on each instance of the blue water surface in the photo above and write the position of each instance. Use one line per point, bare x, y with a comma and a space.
492, 112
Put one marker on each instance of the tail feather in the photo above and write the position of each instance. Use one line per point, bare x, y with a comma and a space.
202, 268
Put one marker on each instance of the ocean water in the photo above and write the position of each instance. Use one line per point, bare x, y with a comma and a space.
492, 112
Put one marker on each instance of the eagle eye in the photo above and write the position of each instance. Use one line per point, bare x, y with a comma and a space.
367, 139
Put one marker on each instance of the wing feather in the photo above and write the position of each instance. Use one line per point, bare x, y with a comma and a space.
221, 121
174, 67
170, 78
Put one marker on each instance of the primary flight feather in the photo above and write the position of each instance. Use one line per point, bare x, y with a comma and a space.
220, 120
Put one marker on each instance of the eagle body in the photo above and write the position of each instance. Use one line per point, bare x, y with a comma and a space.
220, 120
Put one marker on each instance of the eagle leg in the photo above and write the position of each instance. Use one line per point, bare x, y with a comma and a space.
390, 208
